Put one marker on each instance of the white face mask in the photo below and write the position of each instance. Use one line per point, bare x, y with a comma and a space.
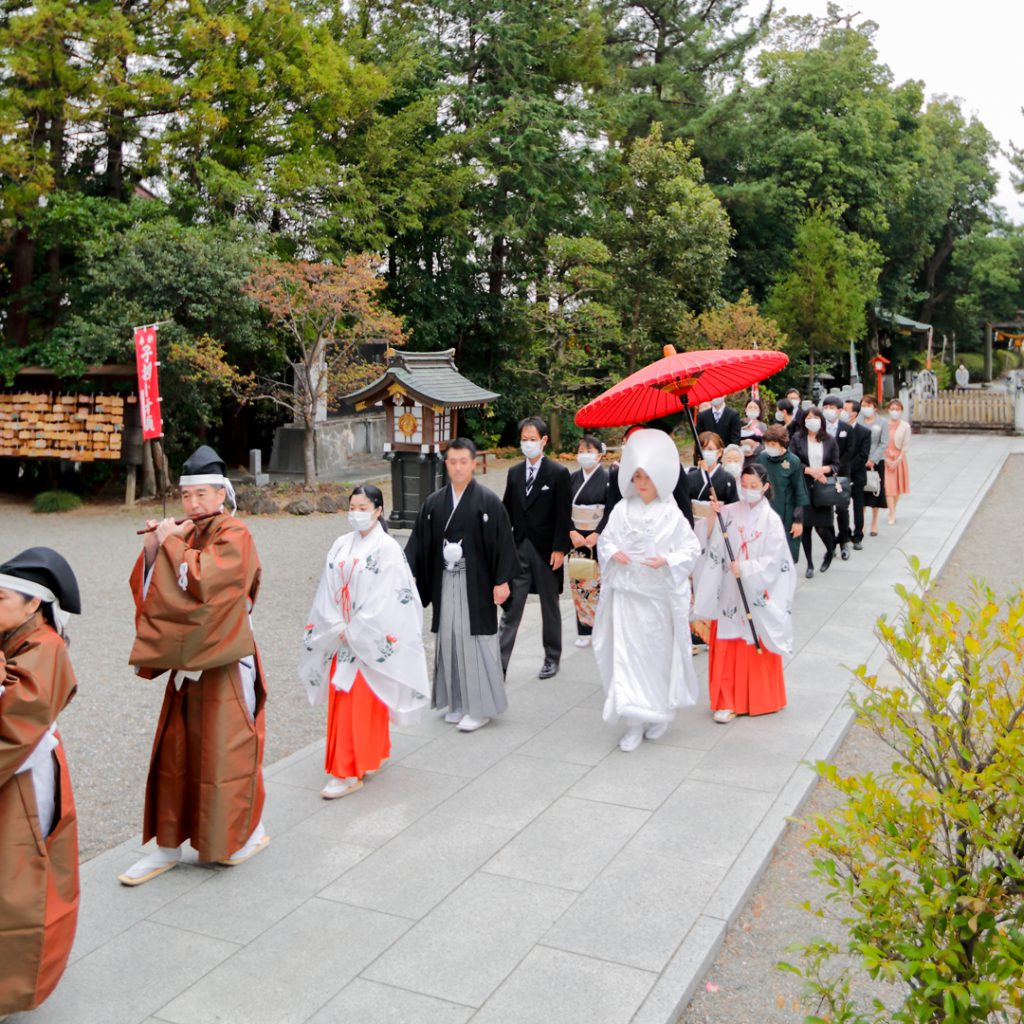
845, 417
780, 417
360, 519
531, 449
733, 469
717, 403
774, 452
813, 426
894, 414
753, 412
710, 456
830, 414
751, 495
868, 412
587, 460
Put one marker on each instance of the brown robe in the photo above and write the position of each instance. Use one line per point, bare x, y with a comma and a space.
38, 875
205, 780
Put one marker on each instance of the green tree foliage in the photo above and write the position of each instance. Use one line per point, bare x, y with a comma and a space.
670, 237
923, 863
574, 335
822, 124
669, 61
463, 145
820, 300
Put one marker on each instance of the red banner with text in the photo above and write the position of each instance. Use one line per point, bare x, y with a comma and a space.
149, 388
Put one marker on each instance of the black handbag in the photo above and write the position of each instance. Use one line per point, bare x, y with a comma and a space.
834, 492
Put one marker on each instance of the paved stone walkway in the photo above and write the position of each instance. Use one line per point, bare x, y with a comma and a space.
527, 874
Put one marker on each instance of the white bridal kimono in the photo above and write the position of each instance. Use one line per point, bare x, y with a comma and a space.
759, 544
641, 630
367, 592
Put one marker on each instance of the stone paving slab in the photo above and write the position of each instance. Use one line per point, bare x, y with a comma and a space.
530, 872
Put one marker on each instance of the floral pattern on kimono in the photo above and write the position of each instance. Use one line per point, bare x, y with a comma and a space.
759, 544
366, 592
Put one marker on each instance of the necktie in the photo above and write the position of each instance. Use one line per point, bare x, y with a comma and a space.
531, 472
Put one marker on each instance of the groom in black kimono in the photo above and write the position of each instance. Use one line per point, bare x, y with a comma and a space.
462, 532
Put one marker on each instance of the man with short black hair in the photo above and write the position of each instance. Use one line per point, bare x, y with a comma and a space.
720, 420
861, 452
842, 433
462, 555
538, 501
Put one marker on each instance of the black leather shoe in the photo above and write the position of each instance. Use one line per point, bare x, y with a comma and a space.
825, 563
858, 546
809, 572
548, 669
844, 552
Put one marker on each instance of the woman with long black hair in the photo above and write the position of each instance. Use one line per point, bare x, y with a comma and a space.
819, 455
363, 646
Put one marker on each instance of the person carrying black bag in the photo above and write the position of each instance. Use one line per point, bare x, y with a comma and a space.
819, 455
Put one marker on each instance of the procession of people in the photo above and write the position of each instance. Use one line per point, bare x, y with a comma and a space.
654, 553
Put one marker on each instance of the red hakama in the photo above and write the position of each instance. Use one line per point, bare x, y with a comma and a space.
741, 680
358, 740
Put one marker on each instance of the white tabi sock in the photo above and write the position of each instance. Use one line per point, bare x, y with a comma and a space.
251, 843
158, 858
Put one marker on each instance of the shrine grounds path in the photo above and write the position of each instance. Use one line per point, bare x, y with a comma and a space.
529, 872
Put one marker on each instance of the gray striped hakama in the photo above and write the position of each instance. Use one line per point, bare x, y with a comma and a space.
467, 669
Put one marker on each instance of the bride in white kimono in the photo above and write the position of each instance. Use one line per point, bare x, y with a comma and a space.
641, 630
363, 645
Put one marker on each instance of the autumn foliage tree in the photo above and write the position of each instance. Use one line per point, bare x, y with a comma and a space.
324, 313
738, 324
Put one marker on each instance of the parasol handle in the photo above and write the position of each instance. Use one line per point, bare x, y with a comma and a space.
725, 534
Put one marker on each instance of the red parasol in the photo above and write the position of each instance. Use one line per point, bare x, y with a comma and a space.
679, 383
678, 380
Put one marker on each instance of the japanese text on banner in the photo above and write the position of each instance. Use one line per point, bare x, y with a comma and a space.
149, 388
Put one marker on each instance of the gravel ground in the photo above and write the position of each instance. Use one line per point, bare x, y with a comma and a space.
744, 986
108, 728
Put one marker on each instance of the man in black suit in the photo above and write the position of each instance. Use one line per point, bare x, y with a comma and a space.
538, 503
858, 468
720, 420
797, 412
843, 435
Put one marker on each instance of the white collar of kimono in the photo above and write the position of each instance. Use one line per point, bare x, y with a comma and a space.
198, 479
29, 588
656, 454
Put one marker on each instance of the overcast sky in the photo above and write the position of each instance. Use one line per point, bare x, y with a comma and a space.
959, 49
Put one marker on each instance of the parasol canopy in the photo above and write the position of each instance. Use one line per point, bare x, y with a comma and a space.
678, 380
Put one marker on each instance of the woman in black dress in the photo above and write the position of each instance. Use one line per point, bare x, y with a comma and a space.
588, 486
708, 472
819, 455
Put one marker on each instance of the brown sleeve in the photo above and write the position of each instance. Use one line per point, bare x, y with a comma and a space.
38, 683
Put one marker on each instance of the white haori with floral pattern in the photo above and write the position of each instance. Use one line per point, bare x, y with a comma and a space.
367, 592
759, 544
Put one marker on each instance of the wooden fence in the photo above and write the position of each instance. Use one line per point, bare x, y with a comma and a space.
965, 410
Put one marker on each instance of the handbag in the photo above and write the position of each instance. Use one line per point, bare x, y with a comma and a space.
831, 493
582, 565
873, 482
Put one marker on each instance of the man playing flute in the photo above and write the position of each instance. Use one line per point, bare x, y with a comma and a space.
194, 586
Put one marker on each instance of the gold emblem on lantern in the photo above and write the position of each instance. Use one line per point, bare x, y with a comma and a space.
407, 424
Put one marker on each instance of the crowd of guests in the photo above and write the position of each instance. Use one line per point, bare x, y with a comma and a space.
656, 555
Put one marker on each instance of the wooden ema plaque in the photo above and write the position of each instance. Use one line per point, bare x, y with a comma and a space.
82, 428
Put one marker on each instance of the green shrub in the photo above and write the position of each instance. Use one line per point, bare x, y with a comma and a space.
924, 863
56, 501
